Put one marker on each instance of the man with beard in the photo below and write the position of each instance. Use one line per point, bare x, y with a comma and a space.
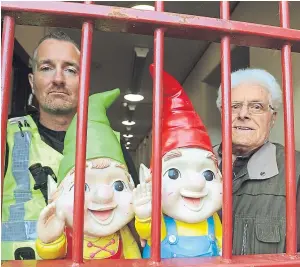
37, 141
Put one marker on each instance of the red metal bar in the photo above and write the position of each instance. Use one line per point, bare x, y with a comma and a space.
6, 67
81, 134
118, 19
277, 260
289, 136
226, 137
156, 133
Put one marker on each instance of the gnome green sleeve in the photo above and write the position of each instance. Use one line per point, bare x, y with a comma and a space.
108, 193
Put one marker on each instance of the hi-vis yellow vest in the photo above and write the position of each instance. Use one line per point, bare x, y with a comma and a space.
21, 203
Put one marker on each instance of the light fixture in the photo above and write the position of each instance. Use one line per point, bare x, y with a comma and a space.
128, 135
128, 143
144, 7
133, 97
127, 147
128, 123
139, 61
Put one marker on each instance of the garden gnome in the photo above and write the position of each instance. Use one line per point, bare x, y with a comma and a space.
191, 183
108, 193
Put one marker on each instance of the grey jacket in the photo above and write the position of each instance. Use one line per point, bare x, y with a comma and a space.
259, 202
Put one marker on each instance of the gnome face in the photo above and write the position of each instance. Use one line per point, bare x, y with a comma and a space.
108, 198
191, 185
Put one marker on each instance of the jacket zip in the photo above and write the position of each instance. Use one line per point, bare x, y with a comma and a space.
245, 232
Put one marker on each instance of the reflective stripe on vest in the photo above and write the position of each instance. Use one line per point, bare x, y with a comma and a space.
21, 203
17, 229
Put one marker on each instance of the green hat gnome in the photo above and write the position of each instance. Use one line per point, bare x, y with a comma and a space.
102, 141
108, 193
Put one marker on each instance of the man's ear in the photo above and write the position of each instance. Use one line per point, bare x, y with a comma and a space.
274, 117
144, 174
30, 79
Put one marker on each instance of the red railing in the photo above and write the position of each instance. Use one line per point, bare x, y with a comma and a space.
226, 137
157, 130
80, 165
163, 24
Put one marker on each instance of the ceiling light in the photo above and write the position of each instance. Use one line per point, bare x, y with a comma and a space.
129, 123
127, 135
144, 7
127, 147
128, 143
133, 97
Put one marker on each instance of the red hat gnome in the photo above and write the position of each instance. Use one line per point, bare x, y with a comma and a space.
191, 183
182, 126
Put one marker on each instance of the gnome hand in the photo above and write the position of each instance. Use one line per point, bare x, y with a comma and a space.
142, 196
51, 224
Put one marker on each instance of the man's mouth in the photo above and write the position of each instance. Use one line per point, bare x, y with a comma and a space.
243, 128
58, 93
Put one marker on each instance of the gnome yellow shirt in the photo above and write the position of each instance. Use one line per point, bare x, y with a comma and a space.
94, 248
143, 228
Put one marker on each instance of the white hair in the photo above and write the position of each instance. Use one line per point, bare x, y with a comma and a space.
256, 76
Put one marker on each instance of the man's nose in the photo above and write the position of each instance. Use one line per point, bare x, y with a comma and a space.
244, 112
59, 78
195, 183
103, 194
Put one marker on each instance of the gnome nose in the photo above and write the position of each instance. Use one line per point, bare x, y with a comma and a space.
103, 194
195, 183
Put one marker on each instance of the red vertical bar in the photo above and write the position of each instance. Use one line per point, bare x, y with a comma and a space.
289, 136
157, 130
6, 67
226, 137
82, 111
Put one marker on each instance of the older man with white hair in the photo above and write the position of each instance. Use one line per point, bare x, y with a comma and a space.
259, 223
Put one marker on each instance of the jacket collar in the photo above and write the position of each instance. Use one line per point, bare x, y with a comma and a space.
262, 164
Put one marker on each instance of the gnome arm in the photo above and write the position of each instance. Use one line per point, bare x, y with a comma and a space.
51, 242
218, 230
143, 227
54, 250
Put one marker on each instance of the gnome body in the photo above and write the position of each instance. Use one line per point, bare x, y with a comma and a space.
191, 183
108, 194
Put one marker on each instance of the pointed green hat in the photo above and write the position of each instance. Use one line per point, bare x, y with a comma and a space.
102, 141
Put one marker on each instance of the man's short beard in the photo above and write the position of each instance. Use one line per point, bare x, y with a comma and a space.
58, 110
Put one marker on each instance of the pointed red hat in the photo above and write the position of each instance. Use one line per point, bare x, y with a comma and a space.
181, 125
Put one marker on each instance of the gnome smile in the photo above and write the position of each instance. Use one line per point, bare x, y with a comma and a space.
193, 200
103, 214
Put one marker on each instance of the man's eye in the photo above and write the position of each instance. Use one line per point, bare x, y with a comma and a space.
72, 71
235, 106
208, 175
173, 174
257, 106
119, 186
45, 68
